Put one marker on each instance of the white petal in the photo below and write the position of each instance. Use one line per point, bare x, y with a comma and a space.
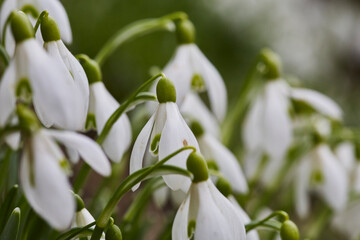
318, 101
104, 105
194, 108
160, 196
277, 127
180, 225
228, 164
180, 72
138, 151
214, 83
177, 197
50, 195
302, 181
83, 218
88, 149
80, 103
53, 93
216, 218
175, 135
335, 186
57, 11
345, 152
7, 93
252, 235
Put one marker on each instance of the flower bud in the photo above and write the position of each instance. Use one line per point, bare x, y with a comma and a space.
196, 128
165, 91
91, 68
272, 64
185, 31
49, 29
113, 233
196, 164
21, 26
289, 231
224, 186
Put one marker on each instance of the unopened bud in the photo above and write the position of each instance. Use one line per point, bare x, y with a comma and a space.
113, 233
289, 231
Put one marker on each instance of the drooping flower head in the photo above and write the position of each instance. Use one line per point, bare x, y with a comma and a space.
163, 134
205, 212
101, 106
44, 168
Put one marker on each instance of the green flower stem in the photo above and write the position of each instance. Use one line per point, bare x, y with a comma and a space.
242, 103
81, 177
8, 20
124, 187
39, 20
118, 112
135, 30
4, 55
76, 232
265, 222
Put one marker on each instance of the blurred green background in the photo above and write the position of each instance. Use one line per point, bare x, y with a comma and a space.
319, 41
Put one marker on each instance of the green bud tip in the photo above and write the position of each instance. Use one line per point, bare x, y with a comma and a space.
196, 164
165, 91
91, 68
289, 231
79, 203
113, 233
185, 31
27, 118
197, 128
49, 29
224, 186
21, 26
272, 64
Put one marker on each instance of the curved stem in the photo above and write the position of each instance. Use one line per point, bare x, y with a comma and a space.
254, 224
135, 30
74, 232
118, 112
39, 20
124, 187
4, 55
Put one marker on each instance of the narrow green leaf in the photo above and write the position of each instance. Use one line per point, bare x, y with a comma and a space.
12, 226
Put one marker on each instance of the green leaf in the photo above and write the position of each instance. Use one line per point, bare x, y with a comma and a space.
12, 226
7, 205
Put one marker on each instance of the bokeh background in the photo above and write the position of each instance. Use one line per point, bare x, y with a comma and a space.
318, 40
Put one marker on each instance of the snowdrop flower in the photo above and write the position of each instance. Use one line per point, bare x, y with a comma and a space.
163, 134
54, 7
227, 163
346, 153
225, 188
34, 71
190, 69
206, 213
43, 168
82, 216
70, 68
267, 129
322, 172
101, 106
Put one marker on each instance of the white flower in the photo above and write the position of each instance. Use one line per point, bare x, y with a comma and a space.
228, 165
322, 172
252, 235
72, 69
267, 129
163, 134
345, 152
54, 7
43, 176
194, 108
53, 94
348, 221
83, 218
210, 215
103, 105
